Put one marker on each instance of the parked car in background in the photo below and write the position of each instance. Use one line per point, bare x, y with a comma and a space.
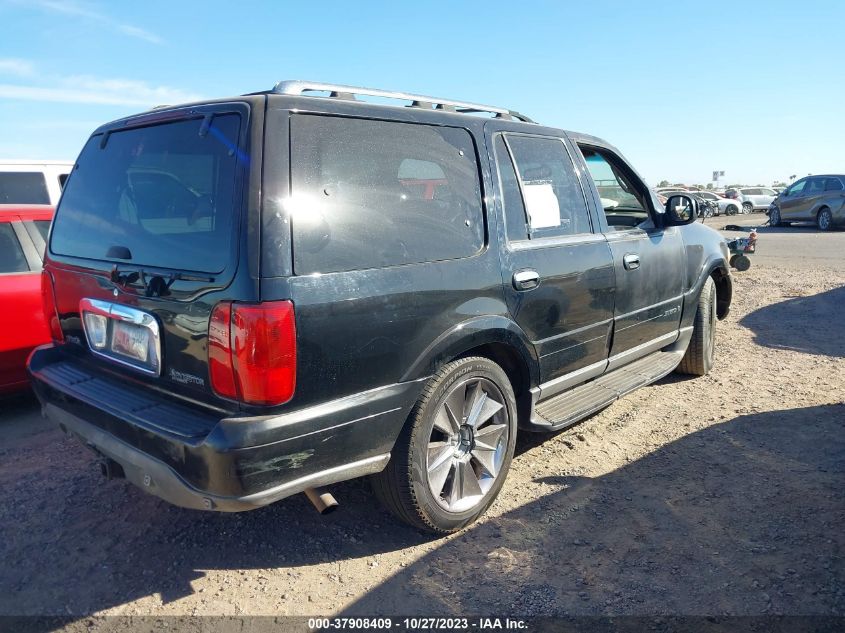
32, 182
819, 199
732, 193
706, 208
23, 233
756, 198
723, 205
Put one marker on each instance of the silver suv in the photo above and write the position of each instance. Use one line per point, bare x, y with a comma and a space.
756, 198
819, 199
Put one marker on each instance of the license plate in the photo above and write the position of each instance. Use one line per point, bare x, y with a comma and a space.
130, 340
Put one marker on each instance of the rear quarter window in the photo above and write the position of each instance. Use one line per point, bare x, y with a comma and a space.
23, 187
370, 194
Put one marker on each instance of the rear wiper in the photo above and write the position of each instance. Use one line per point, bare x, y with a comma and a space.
158, 287
154, 285
123, 279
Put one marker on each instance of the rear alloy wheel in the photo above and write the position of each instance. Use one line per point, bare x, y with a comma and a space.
747, 207
731, 209
824, 219
453, 454
774, 217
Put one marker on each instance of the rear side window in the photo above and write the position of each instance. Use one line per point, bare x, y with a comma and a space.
833, 184
23, 187
553, 198
161, 195
12, 259
369, 194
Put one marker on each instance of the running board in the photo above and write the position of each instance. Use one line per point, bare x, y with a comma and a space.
561, 411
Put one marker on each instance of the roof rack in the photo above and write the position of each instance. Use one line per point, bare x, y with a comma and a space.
338, 91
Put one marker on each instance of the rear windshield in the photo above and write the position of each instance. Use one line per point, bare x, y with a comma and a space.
23, 187
156, 196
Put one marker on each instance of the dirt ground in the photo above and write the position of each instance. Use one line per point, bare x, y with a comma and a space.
718, 495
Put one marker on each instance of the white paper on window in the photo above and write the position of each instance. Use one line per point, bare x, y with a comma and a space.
542, 205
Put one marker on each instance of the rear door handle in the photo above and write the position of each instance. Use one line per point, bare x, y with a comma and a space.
526, 279
631, 261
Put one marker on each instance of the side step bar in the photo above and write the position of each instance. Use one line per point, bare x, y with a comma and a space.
572, 406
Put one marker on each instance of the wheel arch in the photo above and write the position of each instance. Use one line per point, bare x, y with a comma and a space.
496, 338
724, 290
716, 268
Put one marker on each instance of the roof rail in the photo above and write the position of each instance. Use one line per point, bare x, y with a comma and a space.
338, 91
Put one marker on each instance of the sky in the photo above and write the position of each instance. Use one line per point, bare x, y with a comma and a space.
755, 89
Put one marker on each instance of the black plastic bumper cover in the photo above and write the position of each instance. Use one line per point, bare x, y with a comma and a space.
192, 459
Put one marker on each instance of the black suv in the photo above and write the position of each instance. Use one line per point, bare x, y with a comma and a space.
258, 296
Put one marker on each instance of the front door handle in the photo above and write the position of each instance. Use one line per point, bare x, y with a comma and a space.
631, 261
526, 279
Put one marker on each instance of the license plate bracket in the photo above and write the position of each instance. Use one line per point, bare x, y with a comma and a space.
132, 335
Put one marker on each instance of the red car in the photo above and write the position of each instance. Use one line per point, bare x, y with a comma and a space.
23, 236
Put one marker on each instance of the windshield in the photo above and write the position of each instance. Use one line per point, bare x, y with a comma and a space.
159, 196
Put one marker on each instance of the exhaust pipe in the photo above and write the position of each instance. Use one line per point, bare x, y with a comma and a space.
322, 500
111, 469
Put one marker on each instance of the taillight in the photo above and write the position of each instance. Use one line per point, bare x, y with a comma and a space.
252, 351
51, 314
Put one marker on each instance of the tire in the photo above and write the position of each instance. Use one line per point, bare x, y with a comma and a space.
732, 260
731, 209
742, 263
441, 449
747, 207
774, 217
824, 219
698, 359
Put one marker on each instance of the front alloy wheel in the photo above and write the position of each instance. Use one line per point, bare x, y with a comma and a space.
774, 216
747, 207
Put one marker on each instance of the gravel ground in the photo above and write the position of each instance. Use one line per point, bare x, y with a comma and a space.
717, 495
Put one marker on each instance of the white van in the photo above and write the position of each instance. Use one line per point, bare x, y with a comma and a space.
32, 182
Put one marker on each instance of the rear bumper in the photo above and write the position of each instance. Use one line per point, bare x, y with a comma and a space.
192, 459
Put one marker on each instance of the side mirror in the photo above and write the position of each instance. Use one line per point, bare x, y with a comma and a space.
681, 210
